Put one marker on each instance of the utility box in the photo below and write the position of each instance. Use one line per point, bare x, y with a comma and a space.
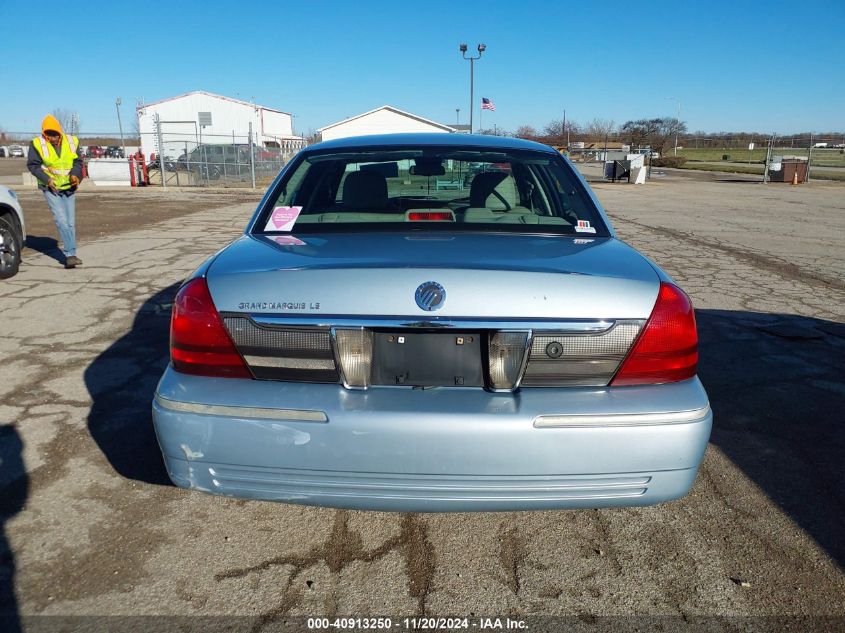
789, 166
617, 170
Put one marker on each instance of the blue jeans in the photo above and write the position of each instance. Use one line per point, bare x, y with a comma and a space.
63, 208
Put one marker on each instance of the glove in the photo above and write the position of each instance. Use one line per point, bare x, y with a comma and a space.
74, 181
51, 185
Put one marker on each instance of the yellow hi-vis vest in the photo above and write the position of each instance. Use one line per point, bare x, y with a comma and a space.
58, 167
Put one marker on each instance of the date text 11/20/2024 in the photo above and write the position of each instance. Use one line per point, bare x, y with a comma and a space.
416, 624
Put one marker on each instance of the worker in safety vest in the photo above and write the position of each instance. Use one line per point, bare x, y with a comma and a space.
54, 162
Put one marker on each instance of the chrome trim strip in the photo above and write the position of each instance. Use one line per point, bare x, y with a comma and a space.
289, 363
620, 419
291, 415
267, 320
529, 341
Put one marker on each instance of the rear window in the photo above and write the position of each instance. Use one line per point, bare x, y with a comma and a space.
431, 189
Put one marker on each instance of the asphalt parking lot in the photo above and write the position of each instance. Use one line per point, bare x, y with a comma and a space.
91, 526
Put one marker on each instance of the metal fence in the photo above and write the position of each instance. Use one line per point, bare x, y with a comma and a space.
188, 159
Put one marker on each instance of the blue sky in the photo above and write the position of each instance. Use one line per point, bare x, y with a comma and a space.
740, 65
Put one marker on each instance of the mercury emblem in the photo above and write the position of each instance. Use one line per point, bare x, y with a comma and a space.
430, 296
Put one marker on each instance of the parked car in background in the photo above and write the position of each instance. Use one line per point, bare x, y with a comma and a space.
4, 151
155, 163
114, 151
372, 342
647, 151
212, 162
95, 151
12, 232
16, 151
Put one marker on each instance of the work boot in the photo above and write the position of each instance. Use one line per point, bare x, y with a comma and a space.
72, 262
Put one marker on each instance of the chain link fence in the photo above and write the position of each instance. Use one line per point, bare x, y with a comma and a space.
187, 159
754, 154
192, 158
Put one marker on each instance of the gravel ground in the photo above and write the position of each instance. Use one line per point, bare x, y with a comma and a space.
12, 166
90, 526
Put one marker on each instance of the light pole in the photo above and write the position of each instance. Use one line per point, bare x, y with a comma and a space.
463, 49
117, 103
679, 122
565, 130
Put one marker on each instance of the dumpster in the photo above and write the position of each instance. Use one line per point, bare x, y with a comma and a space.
789, 167
617, 170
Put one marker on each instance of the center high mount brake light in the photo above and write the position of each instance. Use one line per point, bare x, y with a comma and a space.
431, 216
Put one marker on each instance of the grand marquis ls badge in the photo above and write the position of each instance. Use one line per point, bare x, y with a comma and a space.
430, 296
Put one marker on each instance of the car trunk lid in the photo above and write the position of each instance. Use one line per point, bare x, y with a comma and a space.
483, 276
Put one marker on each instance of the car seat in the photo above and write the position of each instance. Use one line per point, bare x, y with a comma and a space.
365, 191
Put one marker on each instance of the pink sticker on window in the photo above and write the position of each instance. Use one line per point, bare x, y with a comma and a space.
287, 240
282, 218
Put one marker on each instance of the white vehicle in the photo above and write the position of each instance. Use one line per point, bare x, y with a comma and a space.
16, 150
12, 232
647, 151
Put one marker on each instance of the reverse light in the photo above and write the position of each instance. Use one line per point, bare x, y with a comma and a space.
355, 355
667, 348
507, 355
199, 343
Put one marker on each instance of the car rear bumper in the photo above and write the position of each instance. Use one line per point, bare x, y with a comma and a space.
448, 449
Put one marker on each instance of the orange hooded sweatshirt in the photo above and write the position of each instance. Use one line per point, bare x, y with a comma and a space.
51, 123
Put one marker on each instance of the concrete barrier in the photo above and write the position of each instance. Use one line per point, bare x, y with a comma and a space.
109, 172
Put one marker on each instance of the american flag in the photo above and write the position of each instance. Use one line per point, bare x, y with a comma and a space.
487, 104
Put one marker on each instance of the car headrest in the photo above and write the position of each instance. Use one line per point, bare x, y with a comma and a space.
483, 185
365, 190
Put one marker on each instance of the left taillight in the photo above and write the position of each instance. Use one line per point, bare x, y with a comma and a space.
199, 343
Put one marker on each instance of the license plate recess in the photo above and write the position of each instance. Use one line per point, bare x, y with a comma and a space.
428, 359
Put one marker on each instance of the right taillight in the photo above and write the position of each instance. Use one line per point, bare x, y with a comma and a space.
667, 348
199, 343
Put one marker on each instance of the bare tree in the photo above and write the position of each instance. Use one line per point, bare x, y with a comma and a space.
527, 131
654, 133
66, 118
555, 133
597, 129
